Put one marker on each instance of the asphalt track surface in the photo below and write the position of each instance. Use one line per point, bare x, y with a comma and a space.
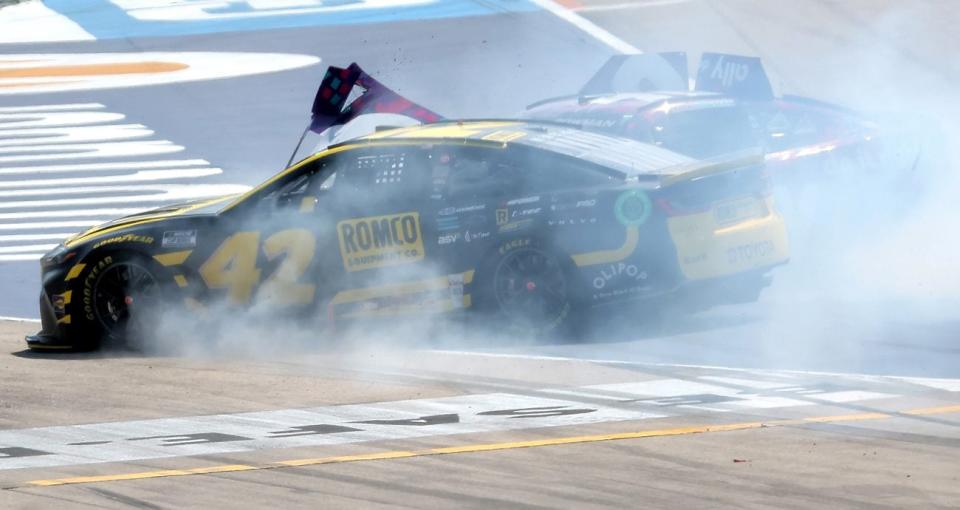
749, 406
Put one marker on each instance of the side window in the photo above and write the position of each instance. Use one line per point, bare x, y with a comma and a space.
471, 172
302, 190
476, 172
388, 173
547, 172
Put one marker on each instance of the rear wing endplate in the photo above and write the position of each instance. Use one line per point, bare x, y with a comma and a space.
733, 75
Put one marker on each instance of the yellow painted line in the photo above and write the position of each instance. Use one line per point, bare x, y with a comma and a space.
173, 258
346, 458
145, 474
67, 297
489, 447
181, 280
93, 69
64, 320
933, 410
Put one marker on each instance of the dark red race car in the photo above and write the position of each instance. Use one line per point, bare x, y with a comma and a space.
730, 106
822, 157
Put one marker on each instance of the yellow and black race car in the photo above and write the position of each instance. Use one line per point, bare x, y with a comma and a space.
529, 221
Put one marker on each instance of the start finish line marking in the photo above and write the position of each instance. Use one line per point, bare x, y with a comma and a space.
477, 448
345, 424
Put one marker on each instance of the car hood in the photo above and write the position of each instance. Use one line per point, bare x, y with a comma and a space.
205, 207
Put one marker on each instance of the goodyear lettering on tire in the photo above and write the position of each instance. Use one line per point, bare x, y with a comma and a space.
88, 286
380, 241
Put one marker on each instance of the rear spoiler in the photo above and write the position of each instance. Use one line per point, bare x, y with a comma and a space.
696, 170
734, 75
338, 102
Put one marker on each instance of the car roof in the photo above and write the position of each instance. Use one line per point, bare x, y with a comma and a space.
631, 157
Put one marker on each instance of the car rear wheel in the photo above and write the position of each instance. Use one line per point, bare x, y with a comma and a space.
528, 289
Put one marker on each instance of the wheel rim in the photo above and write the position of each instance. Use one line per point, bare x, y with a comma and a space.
530, 287
121, 295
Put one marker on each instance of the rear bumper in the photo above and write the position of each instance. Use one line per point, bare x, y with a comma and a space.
707, 250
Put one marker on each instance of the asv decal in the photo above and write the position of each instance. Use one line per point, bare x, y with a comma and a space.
448, 238
380, 241
618, 270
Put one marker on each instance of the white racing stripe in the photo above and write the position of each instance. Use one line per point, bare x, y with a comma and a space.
401, 420
587, 26
104, 175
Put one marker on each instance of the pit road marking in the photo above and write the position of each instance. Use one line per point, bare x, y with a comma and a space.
488, 447
408, 419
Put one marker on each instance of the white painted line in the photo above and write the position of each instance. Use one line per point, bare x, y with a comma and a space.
39, 202
89, 150
587, 26
29, 248
40, 119
940, 384
50, 107
290, 428
406, 419
113, 212
21, 258
102, 167
629, 5
72, 134
932, 382
17, 319
32, 22
53, 224
13, 238
140, 176
160, 193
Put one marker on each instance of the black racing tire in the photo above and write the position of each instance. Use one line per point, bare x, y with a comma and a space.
527, 288
121, 295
